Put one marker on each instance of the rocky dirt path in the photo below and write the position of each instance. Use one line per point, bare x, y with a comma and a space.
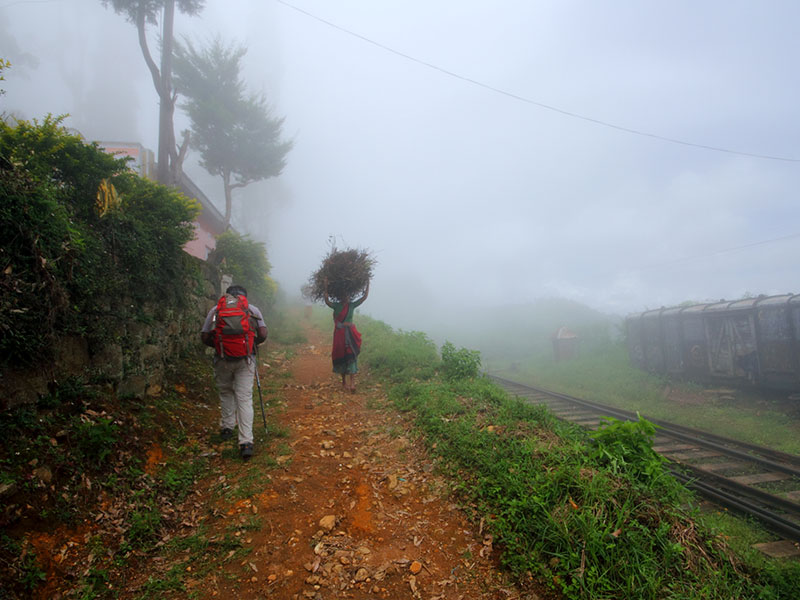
352, 509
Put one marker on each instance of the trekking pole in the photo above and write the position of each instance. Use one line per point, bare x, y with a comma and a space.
260, 397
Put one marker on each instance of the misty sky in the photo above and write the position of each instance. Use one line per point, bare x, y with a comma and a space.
469, 196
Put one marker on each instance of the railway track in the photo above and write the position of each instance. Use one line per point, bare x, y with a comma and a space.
746, 478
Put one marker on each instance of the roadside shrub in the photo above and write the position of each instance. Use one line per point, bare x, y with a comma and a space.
461, 363
67, 258
398, 355
246, 261
143, 241
626, 447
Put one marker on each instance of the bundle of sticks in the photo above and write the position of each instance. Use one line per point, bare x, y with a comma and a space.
346, 273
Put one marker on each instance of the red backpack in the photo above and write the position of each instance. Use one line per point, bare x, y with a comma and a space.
234, 333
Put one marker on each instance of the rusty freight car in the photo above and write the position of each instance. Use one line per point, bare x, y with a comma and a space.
755, 341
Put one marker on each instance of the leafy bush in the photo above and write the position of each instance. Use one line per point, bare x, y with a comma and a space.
627, 447
461, 363
399, 355
246, 260
61, 258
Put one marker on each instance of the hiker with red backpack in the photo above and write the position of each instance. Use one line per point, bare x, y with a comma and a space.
234, 328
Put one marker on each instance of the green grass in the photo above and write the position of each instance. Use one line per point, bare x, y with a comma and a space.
397, 355
609, 378
593, 519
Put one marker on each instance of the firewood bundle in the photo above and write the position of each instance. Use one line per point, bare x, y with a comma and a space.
347, 273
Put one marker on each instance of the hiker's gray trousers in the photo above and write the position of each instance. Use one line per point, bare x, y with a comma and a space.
235, 384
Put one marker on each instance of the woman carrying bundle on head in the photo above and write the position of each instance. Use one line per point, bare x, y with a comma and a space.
343, 276
346, 338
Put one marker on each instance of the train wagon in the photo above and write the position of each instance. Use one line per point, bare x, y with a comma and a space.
753, 341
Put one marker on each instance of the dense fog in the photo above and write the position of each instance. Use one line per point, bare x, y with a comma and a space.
491, 154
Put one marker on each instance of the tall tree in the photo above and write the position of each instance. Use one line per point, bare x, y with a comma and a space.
235, 132
143, 13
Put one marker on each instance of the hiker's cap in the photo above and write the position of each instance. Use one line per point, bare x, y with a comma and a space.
236, 290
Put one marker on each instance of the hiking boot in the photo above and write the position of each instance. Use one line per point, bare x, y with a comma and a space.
225, 433
246, 450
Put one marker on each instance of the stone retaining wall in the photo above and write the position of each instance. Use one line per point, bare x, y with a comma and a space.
140, 343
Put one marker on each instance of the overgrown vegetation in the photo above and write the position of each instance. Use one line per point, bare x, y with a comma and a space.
461, 363
81, 239
609, 378
78, 458
246, 261
596, 518
398, 356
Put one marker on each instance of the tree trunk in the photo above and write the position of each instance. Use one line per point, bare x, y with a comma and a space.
166, 134
226, 180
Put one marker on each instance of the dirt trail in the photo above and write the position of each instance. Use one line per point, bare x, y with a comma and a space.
353, 510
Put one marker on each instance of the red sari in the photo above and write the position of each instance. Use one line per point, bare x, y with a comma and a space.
346, 343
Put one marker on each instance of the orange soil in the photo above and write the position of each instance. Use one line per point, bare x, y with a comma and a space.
353, 508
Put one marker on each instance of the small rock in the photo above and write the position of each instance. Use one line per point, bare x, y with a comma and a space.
392, 481
44, 474
328, 522
361, 574
327, 444
415, 567
7, 489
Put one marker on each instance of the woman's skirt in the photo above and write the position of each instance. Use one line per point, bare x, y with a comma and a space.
346, 347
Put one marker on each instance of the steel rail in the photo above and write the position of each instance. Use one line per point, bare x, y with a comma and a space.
732, 494
708, 440
775, 522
